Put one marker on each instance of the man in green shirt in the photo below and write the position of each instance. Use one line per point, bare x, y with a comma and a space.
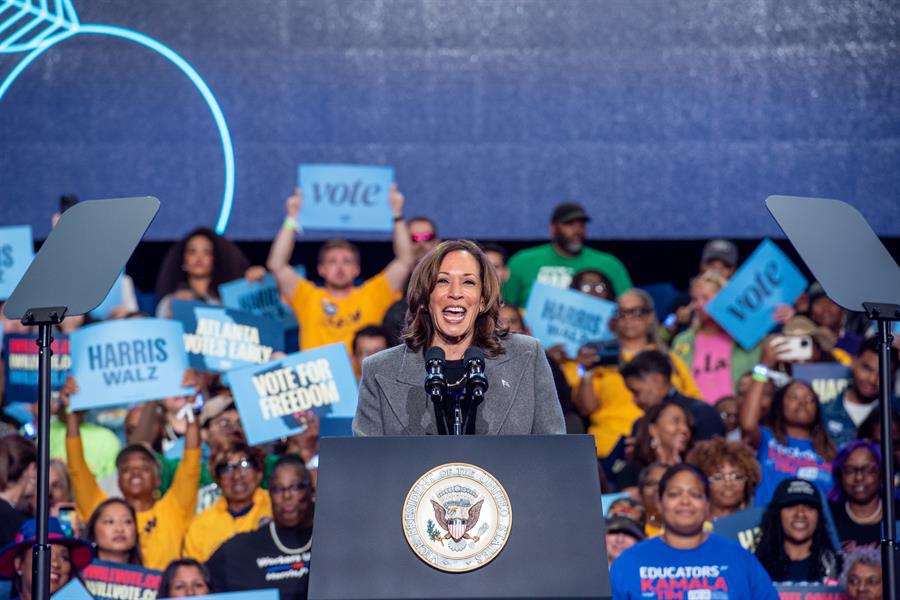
555, 263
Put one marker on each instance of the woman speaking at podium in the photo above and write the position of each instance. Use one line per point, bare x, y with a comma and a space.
454, 304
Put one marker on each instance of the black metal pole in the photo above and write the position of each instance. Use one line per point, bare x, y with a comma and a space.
40, 566
888, 541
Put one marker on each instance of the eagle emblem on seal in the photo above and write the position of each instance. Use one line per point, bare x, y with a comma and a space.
457, 518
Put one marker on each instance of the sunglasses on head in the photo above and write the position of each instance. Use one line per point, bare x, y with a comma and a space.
422, 237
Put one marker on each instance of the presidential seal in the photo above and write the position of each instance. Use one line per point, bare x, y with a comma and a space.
457, 517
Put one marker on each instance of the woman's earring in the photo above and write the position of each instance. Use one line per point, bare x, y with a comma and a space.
654, 443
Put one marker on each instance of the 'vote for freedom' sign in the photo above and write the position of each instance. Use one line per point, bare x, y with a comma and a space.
268, 396
346, 197
218, 339
16, 252
745, 307
568, 317
128, 360
20, 359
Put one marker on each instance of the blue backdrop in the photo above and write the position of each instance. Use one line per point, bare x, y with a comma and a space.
668, 119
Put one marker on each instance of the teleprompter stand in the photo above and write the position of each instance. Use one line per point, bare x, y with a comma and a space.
71, 274
858, 273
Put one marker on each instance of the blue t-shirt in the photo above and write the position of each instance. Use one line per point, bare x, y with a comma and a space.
717, 569
780, 461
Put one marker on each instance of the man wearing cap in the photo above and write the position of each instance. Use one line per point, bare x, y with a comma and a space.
843, 415
625, 522
555, 263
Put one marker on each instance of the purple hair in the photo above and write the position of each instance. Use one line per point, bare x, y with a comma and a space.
837, 467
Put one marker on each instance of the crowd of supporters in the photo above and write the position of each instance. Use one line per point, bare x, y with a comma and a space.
690, 429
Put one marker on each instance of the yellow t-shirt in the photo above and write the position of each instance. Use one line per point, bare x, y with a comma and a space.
161, 528
616, 411
215, 525
327, 320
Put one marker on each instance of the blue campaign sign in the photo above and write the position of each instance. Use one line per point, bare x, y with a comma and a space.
259, 298
828, 380
741, 527
568, 317
744, 307
112, 300
219, 339
16, 252
346, 197
268, 396
20, 362
809, 591
74, 590
128, 360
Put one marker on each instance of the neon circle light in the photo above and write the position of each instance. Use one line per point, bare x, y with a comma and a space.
35, 26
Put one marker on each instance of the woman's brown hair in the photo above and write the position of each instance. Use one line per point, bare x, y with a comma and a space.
711, 455
419, 329
644, 452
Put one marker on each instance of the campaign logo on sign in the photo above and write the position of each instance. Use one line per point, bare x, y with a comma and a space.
346, 197
128, 360
745, 307
113, 581
16, 253
741, 527
828, 380
259, 298
809, 591
20, 359
268, 396
218, 339
568, 317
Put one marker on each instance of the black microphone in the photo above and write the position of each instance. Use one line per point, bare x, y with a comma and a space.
435, 383
476, 382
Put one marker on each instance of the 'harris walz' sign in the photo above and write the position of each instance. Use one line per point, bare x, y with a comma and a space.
567, 317
218, 339
268, 396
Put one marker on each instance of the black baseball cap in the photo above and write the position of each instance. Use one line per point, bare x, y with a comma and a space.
568, 212
626, 516
723, 250
791, 492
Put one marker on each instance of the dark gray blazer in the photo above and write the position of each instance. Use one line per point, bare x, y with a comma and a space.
521, 398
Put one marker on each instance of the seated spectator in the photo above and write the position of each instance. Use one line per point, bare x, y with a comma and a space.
846, 412
243, 507
424, 236
727, 407
846, 329
511, 318
684, 556
67, 557
598, 388
184, 578
566, 254
648, 376
855, 500
113, 531
862, 575
870, 429
625, 521
715, 360
795, 445
366, 342
194, 268
497, 256
162, 521
333, 313
285, 542
732, 471
648, 492
664, 435
60, 490
18, 470
794, 544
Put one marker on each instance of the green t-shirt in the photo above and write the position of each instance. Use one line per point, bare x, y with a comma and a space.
544, 264
101, 446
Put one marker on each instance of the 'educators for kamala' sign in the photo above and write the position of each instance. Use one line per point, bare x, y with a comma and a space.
218, 339
128, 360
268, 396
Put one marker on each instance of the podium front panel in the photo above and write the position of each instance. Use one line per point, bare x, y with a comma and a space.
555, 547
